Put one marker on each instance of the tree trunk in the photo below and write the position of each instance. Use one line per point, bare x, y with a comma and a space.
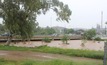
9, 40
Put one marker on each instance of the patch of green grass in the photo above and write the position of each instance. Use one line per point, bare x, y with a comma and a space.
69, 52
72, 52
88, 63
50, 62
6, 62
30, 62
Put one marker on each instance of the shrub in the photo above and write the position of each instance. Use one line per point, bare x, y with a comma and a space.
65, 39
97, 39
89, 34
47, 40
83, 42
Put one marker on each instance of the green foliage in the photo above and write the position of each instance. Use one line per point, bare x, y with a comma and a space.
44, 31
89, 34
79, 32
65, 39
52, 62
98, 39
68, 31
73, 52
28, 62
31, 62
2, 29
50, 31
2, 60
6, 62
47, 40
69, 52
19, 16
85, 62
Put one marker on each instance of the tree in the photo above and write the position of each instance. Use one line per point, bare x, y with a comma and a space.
19, 16
68, 31
79, 31
2, 29
89, 34
65, 39
44, 31
49, 31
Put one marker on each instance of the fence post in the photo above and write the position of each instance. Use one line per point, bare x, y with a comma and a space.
105, 53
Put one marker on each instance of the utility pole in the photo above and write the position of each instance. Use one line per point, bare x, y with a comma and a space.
105, 53
51, 21
105, 30
101, 19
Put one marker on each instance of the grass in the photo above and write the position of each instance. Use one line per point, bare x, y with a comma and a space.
50, 62
88, 63
31, 62
6, 62
68, 52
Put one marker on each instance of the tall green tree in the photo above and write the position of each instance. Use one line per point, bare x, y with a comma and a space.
89, 34
68, 31
19, 16
2, 29
44, 31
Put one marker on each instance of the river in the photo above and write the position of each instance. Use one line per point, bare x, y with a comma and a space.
73, 44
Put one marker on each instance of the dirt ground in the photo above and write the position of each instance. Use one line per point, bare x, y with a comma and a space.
28, 55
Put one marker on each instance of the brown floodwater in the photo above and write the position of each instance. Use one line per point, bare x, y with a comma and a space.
73, 44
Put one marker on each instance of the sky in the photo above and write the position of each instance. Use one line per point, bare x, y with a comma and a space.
85, 14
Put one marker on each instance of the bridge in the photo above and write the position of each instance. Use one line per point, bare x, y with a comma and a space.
40, 38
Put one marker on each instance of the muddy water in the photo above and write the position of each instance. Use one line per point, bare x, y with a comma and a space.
73, 44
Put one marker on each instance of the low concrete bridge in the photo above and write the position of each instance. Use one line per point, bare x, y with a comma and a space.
40, 38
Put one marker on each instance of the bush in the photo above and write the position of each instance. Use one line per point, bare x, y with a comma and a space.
47, 40
97, 39
89, 34
65, 39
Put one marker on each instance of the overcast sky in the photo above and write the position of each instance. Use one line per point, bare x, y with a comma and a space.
85, 14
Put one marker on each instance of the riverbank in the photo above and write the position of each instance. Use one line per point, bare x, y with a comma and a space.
53, 50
